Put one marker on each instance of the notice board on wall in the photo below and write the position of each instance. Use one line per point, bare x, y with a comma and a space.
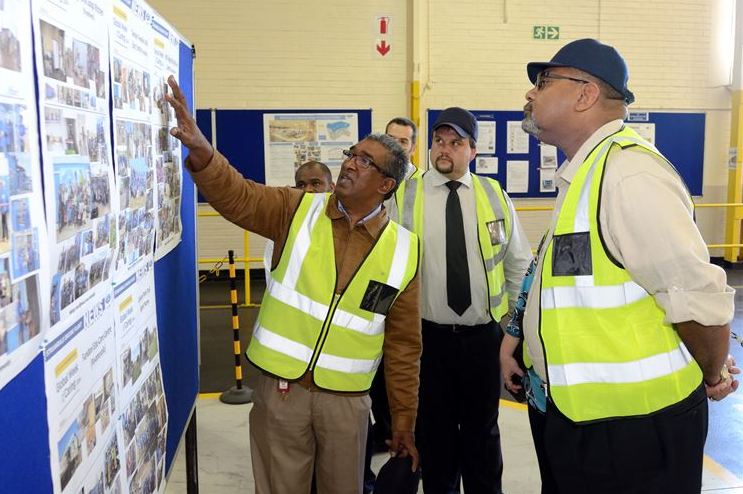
98, 372
526, 168
266, 145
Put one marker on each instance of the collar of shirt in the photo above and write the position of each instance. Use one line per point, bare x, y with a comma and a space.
373, 222
410, 170
567, 171
437, 179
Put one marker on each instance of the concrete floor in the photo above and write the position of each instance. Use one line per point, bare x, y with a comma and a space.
223, 446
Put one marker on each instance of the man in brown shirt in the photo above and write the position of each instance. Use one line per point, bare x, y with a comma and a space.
300, 428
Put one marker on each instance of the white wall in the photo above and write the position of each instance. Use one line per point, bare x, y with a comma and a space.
471, 53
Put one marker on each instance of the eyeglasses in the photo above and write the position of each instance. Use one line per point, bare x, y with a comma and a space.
543, 76
364, 162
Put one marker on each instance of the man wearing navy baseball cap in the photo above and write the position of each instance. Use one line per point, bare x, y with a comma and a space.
626, 322
475, 256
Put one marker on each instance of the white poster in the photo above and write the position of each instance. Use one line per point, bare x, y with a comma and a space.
485, 137
144, 414
291, 139
547, 180
23, 260
167, 149
82, 408
72, 65
133, 98
547, 156
486, 165
517, 176
645, 129
518, 140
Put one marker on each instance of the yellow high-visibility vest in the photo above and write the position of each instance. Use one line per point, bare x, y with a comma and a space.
494, 228
608, 351
304, 325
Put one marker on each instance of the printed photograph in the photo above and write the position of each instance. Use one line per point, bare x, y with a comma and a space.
73, 198
70, 453
25, 248
13, 130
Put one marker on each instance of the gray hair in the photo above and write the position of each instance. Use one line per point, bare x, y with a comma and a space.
397, 160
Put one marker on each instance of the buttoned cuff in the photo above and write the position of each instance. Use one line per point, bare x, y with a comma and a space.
707, 309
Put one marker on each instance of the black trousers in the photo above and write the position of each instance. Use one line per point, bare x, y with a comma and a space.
657, 454
458, 411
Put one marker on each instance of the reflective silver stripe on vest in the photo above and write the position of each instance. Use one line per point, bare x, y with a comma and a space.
289, 296
582, 221
496, 299
408, 204
400, 258
319, 310
297, 300
302, 240
347, 365
495, 206
594, 297
280, 344
640, 370
359, 324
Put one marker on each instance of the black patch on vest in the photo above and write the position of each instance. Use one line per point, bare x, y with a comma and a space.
378, 297
571, 255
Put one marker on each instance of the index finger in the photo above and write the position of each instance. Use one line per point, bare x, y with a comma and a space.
177, 93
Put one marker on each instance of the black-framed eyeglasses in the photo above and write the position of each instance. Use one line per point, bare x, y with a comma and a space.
543, 76
364, 162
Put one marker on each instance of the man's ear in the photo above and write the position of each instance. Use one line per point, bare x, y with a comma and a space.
589, 96
387, 185
332, 186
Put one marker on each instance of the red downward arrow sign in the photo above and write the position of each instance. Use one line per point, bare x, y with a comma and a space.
383, 48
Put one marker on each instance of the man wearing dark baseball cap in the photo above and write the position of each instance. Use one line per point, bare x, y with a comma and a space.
626, 322
475, 256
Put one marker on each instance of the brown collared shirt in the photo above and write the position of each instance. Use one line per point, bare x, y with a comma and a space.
268, 211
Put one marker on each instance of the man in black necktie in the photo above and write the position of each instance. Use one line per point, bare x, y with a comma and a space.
475, 254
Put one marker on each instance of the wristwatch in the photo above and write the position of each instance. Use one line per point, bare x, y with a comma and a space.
724, 375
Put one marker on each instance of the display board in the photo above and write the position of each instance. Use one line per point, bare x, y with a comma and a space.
93, 277
525, 168
257, 141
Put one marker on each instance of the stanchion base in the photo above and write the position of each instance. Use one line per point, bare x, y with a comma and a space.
234, 396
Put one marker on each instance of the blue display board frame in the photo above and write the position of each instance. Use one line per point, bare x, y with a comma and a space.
240, 135
24, 432
679, 136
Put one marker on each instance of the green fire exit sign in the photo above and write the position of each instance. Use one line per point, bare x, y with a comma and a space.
546, 32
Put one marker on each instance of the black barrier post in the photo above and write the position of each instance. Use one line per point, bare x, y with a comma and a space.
192, 463
237, 394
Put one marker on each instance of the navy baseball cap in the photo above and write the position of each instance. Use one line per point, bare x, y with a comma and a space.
593, 57
459, 119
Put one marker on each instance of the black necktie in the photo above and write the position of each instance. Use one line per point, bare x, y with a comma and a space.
457, 271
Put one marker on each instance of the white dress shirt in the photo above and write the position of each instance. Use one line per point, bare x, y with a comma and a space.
434, 305
647, 223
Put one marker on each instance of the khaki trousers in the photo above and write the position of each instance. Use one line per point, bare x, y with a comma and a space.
294, 433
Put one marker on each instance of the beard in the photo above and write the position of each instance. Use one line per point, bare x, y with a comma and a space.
443, 165
529, 126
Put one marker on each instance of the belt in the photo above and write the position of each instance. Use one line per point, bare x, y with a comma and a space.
455, 328
307, 382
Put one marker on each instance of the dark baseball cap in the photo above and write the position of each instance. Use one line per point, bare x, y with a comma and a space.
459, 119
396, 477
593, 57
